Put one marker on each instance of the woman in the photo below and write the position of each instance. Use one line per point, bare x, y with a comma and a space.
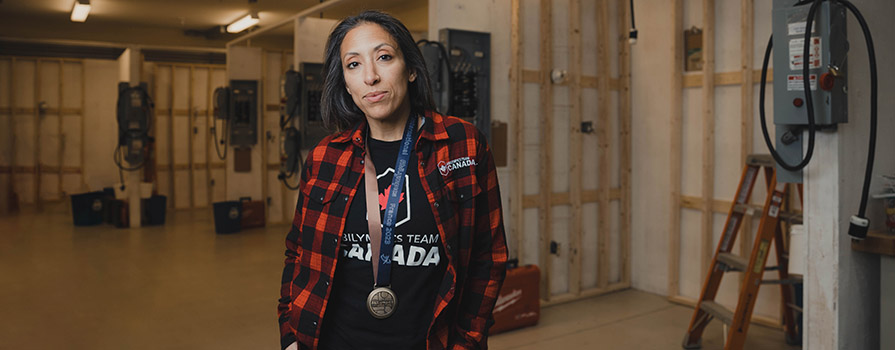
428, 277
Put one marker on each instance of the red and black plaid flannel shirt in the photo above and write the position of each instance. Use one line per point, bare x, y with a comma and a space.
457, 172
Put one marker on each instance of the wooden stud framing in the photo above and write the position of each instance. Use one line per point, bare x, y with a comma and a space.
575, 150
517, 120
624, 116
708, 130
589, 293
190, 137
263, 135
209, 120
546, 149
692, 80
603, 124
171, 183
674, 166
12, 129
747, 11
59, 157
38, 123
83, 124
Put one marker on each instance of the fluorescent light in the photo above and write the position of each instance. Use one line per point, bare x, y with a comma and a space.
243, 23
80, 10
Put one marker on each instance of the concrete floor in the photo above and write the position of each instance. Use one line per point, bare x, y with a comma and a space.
180, 286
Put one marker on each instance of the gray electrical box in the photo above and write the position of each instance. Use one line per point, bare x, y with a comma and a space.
827, 71
468, 94
310, 118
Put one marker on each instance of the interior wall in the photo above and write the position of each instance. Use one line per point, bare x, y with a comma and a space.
581, 229
652, 67
183, 118
78, 93
652, 79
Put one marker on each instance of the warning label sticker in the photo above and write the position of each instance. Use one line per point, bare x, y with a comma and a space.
796, 48
794, 82
798, 28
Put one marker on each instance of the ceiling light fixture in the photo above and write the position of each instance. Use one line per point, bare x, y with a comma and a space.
243, 23
80, 10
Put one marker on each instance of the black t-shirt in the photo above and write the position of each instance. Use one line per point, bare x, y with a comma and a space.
418, 265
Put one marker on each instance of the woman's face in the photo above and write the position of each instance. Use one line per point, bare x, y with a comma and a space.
375, 74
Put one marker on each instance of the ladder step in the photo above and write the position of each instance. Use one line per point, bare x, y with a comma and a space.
717, 311
734, 262
760, 159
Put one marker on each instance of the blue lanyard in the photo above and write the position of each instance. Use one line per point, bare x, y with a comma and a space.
387, 244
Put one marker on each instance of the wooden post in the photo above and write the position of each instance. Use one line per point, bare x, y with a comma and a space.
171, 184
624, 115
674, 166
708, 130
12, 135
517, 120
209, 120
262, 134
546, 151
61, 103
190, 137
37, 126
746, 105
575, 148
83, 124
603, 122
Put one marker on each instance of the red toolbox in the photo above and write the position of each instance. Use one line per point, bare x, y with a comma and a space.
252, 213
519, 301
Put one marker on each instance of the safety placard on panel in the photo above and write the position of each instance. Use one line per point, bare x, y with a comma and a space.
794, 82
797, 48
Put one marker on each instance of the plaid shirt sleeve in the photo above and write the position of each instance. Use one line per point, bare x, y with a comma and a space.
290, 271
487, 261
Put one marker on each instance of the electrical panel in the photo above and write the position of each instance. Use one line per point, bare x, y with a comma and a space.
827, 70
310, 119
463, 90
133, 113
243, 112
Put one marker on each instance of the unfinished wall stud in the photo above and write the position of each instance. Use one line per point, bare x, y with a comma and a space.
517, 121
708, 130
624, 115
546, 150
603, 124
575, 150
674, 166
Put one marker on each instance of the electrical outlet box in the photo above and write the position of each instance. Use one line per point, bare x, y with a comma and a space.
827, 74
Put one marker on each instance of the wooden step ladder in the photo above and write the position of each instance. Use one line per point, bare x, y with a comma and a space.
753, 268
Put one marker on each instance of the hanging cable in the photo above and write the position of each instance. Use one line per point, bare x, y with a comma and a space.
226, 125
632, 34
858, 224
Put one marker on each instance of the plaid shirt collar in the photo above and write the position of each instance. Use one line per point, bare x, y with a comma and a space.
432, 130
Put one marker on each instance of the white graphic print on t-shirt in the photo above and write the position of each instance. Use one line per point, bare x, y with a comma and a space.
410, 249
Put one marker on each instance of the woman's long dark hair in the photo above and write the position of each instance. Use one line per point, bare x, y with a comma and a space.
338, 109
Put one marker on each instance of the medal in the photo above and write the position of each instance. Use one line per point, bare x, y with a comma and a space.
381, 302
